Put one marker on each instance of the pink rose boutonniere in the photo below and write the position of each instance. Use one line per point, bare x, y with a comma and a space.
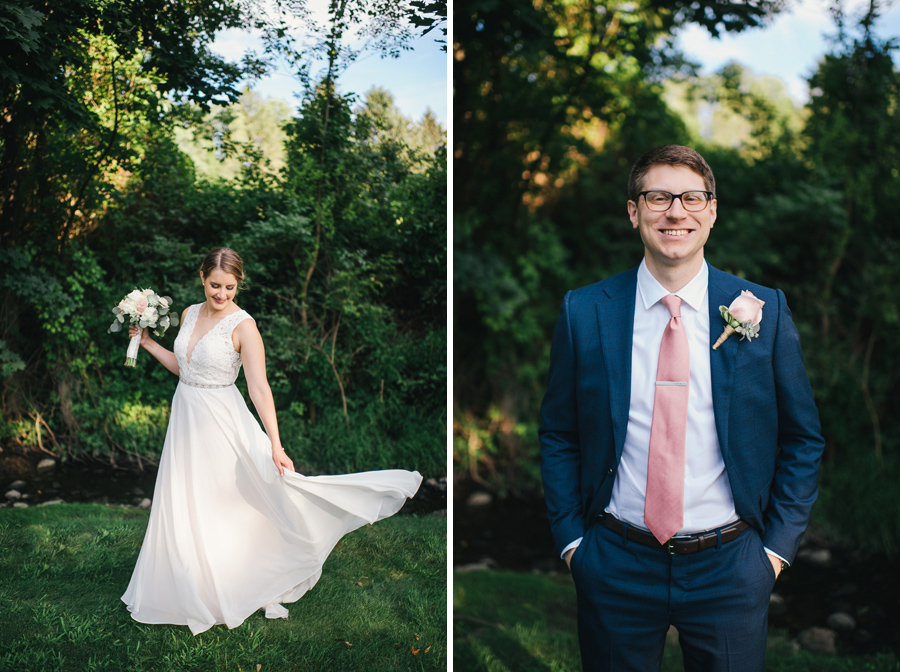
742, 316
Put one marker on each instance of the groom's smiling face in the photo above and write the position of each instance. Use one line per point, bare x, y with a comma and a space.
674, 238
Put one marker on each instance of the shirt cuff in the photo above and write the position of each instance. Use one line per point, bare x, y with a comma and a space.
574, 544
771, 552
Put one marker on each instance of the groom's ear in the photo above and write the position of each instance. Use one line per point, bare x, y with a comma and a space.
632, 214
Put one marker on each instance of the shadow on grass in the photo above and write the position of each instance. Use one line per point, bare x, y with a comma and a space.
380, 604
514, 622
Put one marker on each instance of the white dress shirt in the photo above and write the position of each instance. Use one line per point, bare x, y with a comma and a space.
708, 502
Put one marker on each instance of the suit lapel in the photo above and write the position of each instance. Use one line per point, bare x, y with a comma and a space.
723, 360
615, 318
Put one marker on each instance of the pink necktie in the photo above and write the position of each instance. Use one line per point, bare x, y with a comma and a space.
664, 506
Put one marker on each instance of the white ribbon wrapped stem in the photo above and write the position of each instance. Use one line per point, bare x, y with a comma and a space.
133, 346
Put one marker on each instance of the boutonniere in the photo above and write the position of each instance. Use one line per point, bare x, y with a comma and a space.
742, 316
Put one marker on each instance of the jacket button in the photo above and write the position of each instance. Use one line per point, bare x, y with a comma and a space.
610, 472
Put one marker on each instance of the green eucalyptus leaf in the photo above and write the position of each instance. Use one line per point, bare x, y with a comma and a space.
120, 318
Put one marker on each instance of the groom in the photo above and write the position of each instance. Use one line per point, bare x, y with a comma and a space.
679, 477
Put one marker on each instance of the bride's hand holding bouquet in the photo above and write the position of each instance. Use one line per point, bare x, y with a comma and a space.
145, 309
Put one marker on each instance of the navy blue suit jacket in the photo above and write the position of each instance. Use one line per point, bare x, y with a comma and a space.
765, 415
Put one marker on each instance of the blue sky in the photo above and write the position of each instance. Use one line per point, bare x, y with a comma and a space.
418, 78
789, 47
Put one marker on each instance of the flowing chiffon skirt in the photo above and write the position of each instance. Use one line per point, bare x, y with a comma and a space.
227, 534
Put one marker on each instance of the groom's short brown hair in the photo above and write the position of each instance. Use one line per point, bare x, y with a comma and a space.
669, 155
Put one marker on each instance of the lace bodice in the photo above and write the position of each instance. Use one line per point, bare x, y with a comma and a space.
214, 361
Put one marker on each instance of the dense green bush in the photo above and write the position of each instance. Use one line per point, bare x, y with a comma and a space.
345, 251
549, 117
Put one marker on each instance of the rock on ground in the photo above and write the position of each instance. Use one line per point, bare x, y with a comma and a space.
841, 621
818, 640
819, 557
777, 605
477, 499
481, 565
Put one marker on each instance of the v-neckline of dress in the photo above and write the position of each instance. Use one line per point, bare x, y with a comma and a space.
189, 352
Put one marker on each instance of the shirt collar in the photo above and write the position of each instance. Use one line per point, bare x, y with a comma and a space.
693, 293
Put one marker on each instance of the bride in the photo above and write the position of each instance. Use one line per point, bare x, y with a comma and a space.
233, 528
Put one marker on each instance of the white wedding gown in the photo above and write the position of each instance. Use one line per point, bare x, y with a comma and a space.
227, 534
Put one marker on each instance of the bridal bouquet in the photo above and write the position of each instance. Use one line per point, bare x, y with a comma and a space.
145, 308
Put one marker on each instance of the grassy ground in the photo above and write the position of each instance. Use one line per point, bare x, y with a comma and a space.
380, 604
512, 622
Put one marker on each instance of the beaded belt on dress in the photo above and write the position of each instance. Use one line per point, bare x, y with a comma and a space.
207, 387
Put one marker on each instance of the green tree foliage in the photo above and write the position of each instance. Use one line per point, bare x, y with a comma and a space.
228, 140
553, 102
854, 149
430, 15
737, 109
388, 124
344, 240
806, 203
77, 77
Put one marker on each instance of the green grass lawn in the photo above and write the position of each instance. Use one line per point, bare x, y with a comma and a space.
380, 604
511, 622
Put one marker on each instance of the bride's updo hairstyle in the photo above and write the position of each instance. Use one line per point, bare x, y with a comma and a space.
224, 259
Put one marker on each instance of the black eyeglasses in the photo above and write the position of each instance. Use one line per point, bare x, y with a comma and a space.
692, 201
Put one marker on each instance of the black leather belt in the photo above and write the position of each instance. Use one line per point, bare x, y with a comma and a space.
680, 545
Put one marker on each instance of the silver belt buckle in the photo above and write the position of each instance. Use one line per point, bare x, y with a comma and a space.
670, 544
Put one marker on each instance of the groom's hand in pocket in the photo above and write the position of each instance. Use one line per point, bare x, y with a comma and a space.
568, 557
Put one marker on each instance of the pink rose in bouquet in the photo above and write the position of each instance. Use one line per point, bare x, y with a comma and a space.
146, 309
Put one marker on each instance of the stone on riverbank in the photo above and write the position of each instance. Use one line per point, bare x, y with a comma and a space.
46, 463
818, 557
20, 505
14, 495
777, 605
145, 504
50, 502
818, 640
842, 622
479, 499
17, 485
481, 565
